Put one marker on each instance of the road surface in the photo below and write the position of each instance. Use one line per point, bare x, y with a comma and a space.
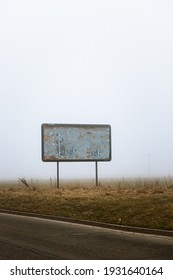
24, 238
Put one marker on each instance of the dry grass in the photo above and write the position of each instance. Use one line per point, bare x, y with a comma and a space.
144, 203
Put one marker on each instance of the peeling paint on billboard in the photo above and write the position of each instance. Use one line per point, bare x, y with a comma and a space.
68, 142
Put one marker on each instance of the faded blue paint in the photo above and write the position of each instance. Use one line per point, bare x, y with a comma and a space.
76, 142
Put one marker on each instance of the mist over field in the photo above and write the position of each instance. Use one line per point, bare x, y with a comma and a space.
87, 62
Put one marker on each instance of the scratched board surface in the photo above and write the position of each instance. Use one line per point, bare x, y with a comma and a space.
76, 142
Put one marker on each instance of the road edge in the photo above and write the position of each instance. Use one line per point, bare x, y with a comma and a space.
150, 231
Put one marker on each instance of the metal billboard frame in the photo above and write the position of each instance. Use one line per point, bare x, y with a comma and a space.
100, 150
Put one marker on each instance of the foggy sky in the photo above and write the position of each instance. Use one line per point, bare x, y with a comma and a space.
87, 62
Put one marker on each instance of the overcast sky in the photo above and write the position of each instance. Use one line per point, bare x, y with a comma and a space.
87, 62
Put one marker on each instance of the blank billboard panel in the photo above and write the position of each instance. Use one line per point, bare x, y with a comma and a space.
75, 142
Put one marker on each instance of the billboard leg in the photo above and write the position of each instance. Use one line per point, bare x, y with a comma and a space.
96, 173
58, 174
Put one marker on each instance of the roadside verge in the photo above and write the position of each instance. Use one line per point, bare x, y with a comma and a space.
93, 223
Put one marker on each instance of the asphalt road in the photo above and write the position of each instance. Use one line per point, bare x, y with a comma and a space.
24, 238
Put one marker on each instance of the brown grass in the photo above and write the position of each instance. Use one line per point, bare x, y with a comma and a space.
143, 203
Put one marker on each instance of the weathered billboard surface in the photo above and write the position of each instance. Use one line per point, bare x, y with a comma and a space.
70, 142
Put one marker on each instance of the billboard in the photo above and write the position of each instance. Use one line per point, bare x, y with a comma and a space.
76, 142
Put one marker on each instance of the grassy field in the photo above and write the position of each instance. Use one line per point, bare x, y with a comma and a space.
139, 202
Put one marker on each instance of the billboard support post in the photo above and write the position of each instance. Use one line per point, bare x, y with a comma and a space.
96, 173
58, 174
